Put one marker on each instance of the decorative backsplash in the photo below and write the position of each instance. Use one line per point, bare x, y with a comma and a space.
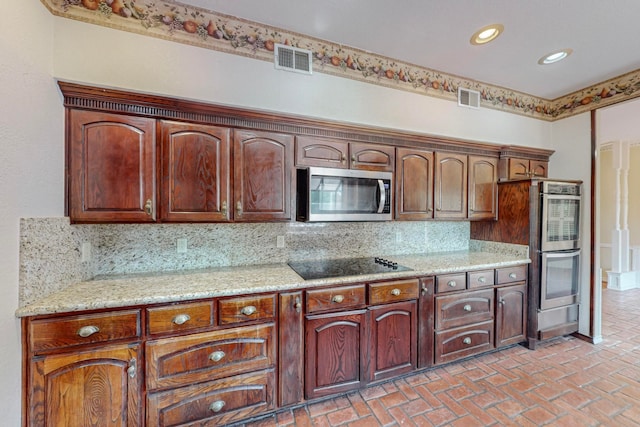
211, 30
51, 256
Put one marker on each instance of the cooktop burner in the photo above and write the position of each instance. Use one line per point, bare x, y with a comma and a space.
323, 269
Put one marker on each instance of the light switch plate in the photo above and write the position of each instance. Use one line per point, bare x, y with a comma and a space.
181, 246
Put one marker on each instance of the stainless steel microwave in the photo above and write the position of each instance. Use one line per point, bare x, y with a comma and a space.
326, 194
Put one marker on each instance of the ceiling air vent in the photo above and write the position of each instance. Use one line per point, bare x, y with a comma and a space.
468, 98
292, 59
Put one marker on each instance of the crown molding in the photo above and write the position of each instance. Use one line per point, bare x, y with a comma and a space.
207, 29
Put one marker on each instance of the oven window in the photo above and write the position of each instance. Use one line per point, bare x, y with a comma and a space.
562, 220
560, 280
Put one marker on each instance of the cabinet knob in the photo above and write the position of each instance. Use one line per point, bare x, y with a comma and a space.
512, 275
298, 305
148, 207
353, 159
87, 331
467, 341
217, 356
467, 307
132, 369
338, 299
239, 208
223, 210
344, 159
217, 406
181, 319
452, 283
482, 279
396, 292
248, 310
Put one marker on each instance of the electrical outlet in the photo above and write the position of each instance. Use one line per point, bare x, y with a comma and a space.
280, 241
181, 246
398, 237
85, 252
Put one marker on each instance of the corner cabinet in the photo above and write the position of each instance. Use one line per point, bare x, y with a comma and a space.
111, 160
263, 176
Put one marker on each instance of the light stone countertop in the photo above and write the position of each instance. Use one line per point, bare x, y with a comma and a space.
141, 289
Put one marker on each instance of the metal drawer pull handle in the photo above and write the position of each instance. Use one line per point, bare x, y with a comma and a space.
467, 340
217, 356
181, 319
148, 207
396, 292
452, 283
338, 299
131, 371
248, 310
298, 305
512, 275
467, 307
217, 406
482, 280
87, 331
224, 208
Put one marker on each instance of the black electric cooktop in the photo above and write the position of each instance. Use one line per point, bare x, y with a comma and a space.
323, 269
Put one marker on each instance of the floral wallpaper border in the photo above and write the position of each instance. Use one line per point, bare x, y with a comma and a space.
211, 30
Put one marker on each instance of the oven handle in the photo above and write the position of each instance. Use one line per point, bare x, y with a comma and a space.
559, 197
561, 254
383, 196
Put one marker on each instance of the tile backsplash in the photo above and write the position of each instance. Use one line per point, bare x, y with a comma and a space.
51, 248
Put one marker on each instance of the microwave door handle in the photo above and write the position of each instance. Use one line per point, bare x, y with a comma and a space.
383, 196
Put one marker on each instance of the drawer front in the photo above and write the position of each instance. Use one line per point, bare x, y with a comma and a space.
451, 282
462, 342
336, 298
386, 292
179, 317
246, 309
511, 274
480, 279
68, 331
464, 309
213, 403
173, 362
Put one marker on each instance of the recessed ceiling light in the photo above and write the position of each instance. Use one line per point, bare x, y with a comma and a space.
555, 56
486, 34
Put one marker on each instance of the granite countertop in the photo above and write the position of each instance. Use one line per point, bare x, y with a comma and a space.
140, 289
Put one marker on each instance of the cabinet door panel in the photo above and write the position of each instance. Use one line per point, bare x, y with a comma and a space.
414, 184
463, 308
518, 168
372, 157
263, 165
98, 387
195, 172
111, 167
511, 315
328, 153
450, 192
483, 187
335, 353
538, 168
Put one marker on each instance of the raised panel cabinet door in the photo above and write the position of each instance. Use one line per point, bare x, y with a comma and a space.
393, 340
538, 168
86, 388
263, 170
323, 152
518, 168
450, 194
335, 352
195, 182
111, 167
483, 187
290, 349
414, 184
371, 157
511, 315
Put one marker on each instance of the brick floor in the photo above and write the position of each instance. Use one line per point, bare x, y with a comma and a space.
564, 382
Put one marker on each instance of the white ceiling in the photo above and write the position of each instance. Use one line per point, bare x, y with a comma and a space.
604, 35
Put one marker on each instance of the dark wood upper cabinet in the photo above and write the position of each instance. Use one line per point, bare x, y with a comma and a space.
263, 176
522, 168
483, 187
195, 181
323, 152
371, 157
414, 184
450, 194
539, 168
111, 167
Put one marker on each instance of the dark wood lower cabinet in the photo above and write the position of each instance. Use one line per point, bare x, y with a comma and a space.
335, 353
511, 314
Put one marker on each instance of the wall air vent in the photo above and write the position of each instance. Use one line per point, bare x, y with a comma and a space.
292, 59
468, 98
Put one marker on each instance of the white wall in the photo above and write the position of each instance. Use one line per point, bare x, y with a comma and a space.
31, 120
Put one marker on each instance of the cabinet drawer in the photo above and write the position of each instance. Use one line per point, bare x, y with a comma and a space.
386, 292
462, 342
179, 317
479, 279
246, 309
344, 297
213, 403
68, 331
464, 309
451, 282
173, 362
511, 274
